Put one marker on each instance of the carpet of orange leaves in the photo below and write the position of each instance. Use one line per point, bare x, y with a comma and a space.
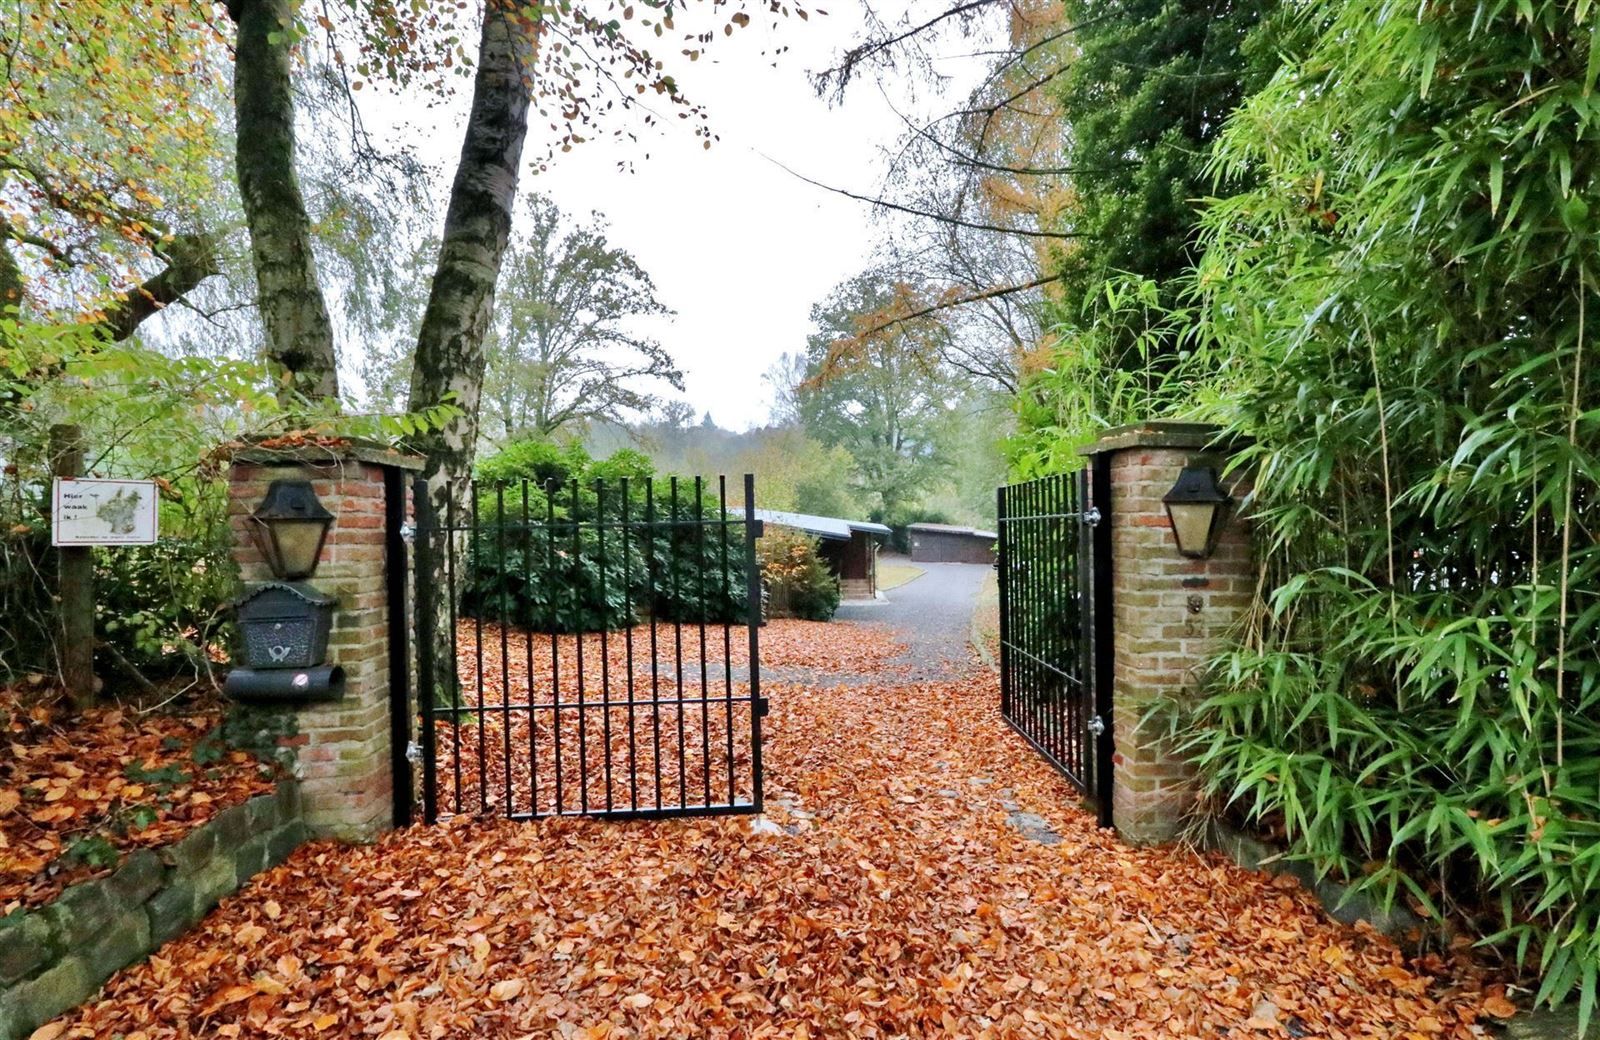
549, 725
128, 780
891, 899
785, 642
542, 731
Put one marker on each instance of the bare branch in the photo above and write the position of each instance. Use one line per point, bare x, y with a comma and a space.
865, 51
944, 305
943, 219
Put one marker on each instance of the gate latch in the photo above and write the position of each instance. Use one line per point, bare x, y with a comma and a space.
413, 752
763, 705
1091, 516
1097, 725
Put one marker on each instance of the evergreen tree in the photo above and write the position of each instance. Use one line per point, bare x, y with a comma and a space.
1150, 89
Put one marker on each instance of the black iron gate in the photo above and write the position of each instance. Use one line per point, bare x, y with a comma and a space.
1055, 623
589, 650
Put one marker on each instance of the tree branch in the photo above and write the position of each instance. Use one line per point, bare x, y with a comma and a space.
886, 204
856, 55
975, 161
987, 294
191, 259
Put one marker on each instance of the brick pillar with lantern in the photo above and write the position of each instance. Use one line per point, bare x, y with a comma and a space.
342, 742
1171, 611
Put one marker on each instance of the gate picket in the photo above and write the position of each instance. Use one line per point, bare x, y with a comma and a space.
1055, 618
488, 589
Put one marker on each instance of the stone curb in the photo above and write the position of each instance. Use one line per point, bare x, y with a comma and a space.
56, 957
1397, 923
1341, 903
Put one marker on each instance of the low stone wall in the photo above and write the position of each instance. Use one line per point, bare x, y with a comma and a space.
56, 957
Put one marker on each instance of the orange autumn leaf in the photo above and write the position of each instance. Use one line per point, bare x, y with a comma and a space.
1498, 1006
890, 896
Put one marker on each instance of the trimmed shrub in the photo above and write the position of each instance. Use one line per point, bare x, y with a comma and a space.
556, 556
798, 582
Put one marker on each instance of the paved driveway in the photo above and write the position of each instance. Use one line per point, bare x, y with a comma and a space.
932, 615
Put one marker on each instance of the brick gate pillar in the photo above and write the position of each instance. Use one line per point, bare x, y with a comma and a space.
343, 749
1170, 614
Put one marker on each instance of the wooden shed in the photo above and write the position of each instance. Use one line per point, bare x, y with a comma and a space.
944, 543
849, 547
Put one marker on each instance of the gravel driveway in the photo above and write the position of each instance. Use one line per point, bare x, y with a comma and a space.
932, 615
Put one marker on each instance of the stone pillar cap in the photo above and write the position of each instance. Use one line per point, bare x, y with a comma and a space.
324, 451
1162, 433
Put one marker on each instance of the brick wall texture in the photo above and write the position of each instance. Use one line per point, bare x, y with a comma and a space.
1171, 614
342, 747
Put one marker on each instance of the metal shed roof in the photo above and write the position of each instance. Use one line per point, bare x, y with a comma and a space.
832, 527
952, 529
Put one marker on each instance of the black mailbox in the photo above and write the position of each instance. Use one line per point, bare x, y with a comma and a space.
284, 625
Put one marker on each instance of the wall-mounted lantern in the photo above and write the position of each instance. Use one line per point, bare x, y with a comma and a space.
1197, 507
289, 527
285, 624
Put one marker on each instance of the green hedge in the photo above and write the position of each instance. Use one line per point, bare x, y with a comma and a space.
551, 550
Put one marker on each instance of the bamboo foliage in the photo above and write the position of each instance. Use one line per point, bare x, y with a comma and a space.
1405, 299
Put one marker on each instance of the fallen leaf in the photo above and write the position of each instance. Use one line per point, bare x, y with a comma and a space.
1499, 1006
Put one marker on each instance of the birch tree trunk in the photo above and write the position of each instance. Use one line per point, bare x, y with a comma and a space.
299, 333
450, 357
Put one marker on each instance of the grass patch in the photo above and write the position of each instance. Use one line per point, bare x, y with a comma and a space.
894, 573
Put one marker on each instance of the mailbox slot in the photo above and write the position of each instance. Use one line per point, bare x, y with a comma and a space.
278, 685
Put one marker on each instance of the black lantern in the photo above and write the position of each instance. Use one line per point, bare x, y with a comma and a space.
289, 527
1197, 505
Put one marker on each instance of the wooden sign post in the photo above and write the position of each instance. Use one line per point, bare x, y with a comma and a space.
75, 592
86, 512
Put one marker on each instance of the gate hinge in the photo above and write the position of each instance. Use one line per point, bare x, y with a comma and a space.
413, 752
1097, 725
1091, 516
408, 531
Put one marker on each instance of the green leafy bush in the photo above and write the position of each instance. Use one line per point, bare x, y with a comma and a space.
161, 605
798, 582
557, 557
542, 463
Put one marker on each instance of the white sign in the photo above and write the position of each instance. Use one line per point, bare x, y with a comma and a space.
104, 512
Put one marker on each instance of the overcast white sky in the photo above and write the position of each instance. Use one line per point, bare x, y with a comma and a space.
737, 247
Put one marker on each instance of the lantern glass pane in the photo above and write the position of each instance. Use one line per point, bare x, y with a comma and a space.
1191, 525
298, 542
